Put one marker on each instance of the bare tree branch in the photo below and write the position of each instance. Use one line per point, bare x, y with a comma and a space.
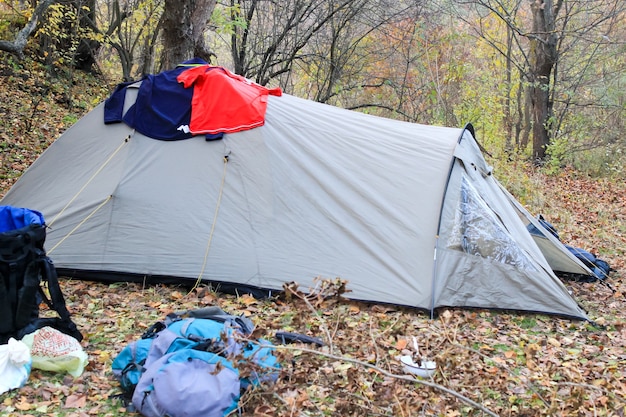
19, 43
405, 378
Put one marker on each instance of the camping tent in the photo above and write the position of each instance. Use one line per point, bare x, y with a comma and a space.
407, 214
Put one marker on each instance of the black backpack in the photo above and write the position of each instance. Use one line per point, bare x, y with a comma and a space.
25, 273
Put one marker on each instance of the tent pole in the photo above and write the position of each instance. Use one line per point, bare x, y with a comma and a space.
469, 128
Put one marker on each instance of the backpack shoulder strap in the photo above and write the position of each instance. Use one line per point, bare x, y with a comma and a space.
56, 301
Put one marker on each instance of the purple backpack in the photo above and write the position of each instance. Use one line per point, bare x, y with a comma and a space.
189, 383
187, 366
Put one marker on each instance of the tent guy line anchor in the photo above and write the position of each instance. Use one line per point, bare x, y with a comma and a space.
126, 140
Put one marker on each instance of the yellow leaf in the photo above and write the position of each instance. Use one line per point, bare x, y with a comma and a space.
355, 309
554, 342
247, 299
24, 404
341, 366
531, 349
599, 382
104, 356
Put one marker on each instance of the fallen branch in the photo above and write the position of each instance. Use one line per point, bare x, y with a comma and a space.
405, 378
594, 387
294, 292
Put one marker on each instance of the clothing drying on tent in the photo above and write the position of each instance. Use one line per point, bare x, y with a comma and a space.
224, 102
161, 106
407, 214
194, 98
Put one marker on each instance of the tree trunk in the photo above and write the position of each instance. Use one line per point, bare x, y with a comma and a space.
508, 116
184, 23
70, 38
543, 55
523, 103
84, 58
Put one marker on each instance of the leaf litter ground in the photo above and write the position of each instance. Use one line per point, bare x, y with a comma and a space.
488, 363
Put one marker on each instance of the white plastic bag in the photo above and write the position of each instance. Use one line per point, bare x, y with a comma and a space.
15, 362
53, 350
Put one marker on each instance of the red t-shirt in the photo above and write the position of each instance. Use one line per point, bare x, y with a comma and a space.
224, 102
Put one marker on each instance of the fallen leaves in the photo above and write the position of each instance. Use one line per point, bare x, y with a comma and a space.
23, 404
75, 401
402, 344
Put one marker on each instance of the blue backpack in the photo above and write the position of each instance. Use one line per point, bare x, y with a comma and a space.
188, 365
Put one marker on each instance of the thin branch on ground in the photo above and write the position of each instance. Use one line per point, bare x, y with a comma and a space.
405, 378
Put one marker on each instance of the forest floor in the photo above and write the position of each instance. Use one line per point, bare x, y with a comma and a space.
488, 363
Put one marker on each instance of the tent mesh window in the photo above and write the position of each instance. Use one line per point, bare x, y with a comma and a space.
477, 231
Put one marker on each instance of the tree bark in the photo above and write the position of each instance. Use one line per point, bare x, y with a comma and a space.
543, 56
84, 58
184, 23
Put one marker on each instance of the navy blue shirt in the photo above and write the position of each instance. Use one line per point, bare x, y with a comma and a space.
162, 106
